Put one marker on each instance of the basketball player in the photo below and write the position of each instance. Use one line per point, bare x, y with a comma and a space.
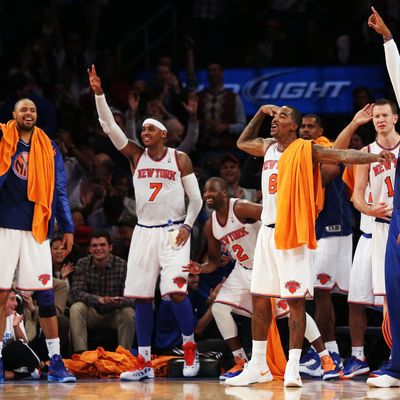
161, 178
234, 223
285, 273
390, 375
32, 194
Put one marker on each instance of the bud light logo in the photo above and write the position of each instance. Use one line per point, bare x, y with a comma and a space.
272, 87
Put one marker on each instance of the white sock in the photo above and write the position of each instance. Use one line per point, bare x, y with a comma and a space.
294, 355
323, 353
358, 352
332, 347
186, 339
259, 352
239, 354
1, 348
53, 346
145, 351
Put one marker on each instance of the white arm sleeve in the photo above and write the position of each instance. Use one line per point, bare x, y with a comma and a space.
393, 66
192, 190
108, 123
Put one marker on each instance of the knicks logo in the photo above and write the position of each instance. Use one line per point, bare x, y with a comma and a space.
179, 281
44, 278
20, 165
282, 304
324, 278
292, 286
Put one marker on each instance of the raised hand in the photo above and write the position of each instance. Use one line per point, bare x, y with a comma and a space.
67, 269
94, 80
364, 115
269, 109
191, 105
376, 22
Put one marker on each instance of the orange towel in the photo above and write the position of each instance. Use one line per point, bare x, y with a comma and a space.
300, 197
348, 177
275, 355
40, 173
323, 141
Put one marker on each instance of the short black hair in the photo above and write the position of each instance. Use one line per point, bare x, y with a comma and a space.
101, 233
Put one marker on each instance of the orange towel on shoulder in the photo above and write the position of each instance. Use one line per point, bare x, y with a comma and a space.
300, 197
323, 141
41, 173
348, 177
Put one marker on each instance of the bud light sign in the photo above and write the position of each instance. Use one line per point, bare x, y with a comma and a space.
322, 90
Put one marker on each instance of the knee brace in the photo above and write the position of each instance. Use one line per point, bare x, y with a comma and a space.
224, 320
45, 302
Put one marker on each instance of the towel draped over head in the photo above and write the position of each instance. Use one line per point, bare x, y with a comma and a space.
41, 173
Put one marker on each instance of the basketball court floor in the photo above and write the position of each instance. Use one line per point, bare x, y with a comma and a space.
184, 389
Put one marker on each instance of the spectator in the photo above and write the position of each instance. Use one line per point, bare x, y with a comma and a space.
97, 291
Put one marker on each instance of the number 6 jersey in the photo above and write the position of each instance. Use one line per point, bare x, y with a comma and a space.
159, 192
237, 237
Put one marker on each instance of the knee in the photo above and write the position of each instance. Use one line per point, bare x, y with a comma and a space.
220, 310
77, 309
297, 306
126, 315
177, 297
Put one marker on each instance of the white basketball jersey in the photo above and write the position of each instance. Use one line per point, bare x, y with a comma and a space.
159, 192
269, 187
238, 238
381, 175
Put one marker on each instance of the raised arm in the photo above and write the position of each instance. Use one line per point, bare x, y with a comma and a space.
248, 140
333, 156
362, 117
247, 210
128, 148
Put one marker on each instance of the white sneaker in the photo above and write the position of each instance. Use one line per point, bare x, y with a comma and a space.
143, 370
251, 374
191, 366
383, 381
292, 375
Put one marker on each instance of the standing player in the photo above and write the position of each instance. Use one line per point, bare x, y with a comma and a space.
235, 224
390, 375
162, 176
32, 193
283, 261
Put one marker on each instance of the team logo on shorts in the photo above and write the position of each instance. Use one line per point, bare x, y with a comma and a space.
179, 281
292, 286
282, 304
44, 278
324, 278
20, 165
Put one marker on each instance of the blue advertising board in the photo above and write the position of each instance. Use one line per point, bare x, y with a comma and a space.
324, 90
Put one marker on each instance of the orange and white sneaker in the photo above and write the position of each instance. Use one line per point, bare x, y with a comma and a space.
235, 370
251, 374
191, 366
143, 370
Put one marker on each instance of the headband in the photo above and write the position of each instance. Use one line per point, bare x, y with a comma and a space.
154, 122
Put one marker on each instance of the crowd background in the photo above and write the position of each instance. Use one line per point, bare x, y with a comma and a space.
47, 46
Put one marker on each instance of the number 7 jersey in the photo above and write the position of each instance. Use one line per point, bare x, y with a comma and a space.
159, 192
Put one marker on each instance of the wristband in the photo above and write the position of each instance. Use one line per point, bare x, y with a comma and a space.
387, 38
187, 227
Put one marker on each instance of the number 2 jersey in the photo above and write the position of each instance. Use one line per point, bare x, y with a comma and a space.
159, 192
382, 174
237, 237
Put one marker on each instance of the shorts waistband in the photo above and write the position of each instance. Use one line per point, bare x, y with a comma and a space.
159, 226
382, 220
367, 235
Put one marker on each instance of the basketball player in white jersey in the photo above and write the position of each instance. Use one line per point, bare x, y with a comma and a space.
235, 224
281, 273
379, 177
160, 243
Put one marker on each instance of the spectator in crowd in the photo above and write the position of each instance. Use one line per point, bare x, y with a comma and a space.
19, 360
62, 268
97, 291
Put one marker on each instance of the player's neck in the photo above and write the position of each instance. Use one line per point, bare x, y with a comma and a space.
25, 136
156, 152
222, 213
388, 140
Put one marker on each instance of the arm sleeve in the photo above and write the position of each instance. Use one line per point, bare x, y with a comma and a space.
393, 66
192, 190
108, 123
63, 211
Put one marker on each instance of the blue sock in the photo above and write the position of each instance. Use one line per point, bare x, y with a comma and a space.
184, 315
144, 323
